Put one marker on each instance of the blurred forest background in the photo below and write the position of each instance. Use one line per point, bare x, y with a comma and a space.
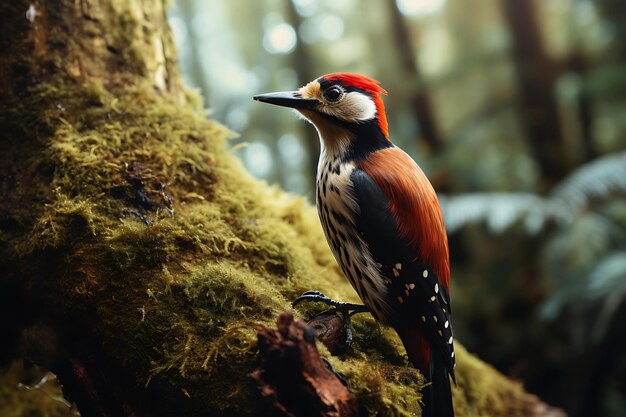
516, 110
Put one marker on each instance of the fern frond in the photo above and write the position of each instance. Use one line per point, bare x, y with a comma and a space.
597, 179
605, 278
608, 275
498, 210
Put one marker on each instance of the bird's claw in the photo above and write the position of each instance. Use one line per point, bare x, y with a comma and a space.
343, 307
311, 296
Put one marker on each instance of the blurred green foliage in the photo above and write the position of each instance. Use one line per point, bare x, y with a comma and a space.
515, 109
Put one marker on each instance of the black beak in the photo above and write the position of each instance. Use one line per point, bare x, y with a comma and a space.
291, 99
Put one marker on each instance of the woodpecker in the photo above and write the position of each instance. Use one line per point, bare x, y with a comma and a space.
382, 220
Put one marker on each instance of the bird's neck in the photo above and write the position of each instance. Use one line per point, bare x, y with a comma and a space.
345, 142
367, 138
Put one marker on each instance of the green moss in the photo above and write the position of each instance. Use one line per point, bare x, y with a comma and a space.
383, 389
172, 253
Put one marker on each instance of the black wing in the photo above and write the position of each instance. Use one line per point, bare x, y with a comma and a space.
415, 295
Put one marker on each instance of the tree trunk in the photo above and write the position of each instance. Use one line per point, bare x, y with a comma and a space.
419, 97
536, 74
137, 256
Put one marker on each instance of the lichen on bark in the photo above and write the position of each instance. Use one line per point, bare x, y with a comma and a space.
130, 233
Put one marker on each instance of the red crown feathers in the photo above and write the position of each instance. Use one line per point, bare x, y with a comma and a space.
369, 85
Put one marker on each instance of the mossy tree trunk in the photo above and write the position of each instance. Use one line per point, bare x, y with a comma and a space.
137, 257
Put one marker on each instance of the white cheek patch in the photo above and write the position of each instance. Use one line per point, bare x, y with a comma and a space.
354, 107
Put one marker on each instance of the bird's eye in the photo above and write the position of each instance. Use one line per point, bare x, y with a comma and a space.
333, 94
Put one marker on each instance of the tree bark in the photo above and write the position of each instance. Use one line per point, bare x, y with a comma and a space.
137, 256
293, 378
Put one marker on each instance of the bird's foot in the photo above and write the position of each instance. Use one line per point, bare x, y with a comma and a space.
343, 307
324, 322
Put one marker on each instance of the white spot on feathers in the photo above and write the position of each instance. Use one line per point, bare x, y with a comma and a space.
31, 13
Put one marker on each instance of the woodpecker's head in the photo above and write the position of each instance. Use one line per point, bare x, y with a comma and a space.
347, 110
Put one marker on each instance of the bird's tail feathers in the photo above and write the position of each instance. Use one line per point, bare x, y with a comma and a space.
441, 393
437, 395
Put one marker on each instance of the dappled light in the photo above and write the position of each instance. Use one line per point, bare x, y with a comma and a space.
280, 39
420, 7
